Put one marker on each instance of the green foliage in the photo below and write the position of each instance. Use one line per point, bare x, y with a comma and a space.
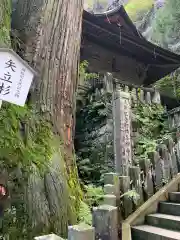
133, 195
151, 127
85, 215
166, 32
76, 193
27, 138
150, 119
137, 8
166, 28
93, 195
170, 85
93, 198
90, 3
5, 22
91, 139
83, 72
27, 143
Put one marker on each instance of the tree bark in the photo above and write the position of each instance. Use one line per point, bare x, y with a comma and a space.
51, 32
4, 23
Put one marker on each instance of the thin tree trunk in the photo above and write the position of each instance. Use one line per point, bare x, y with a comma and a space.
51, 31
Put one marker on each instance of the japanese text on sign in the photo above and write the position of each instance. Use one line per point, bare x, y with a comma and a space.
125, 129
5, 81
15, 78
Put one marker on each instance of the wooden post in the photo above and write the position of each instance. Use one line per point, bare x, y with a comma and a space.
105, 222
122, 132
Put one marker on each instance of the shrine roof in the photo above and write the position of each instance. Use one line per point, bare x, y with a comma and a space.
127, 41
119, 16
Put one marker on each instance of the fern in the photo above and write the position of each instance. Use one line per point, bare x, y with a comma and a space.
85, 215
133, 195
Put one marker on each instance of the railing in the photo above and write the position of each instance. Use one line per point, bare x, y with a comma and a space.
143, 182
124, 194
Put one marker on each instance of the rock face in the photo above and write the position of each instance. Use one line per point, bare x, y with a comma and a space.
145, 25
160, 24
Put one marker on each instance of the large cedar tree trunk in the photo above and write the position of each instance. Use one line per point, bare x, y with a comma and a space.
51, 32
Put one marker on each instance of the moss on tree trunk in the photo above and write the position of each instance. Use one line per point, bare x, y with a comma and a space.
5, 22
44, 199
51, 32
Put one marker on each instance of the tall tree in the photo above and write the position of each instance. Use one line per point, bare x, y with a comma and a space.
51, 32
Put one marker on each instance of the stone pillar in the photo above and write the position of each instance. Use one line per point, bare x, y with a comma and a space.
142, 100
146, 165
108, 87
112, 192
105, 221
122, 132
49, 237
163, 151
156, 99
110, 199
135, 177
133, 96
81, 232
172, 157
148, 97
112, 179
108, 83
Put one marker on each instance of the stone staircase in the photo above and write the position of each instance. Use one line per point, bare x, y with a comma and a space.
163, 225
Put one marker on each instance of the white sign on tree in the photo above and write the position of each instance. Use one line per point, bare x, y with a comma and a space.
15, 77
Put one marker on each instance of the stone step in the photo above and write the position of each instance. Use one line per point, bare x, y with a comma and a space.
164, 221
147, 232
174, 197
169, 208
